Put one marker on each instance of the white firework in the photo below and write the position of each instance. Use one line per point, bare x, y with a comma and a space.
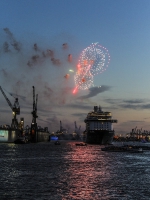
93, 60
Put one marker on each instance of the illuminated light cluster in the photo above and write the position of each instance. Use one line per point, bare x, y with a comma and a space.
93, 60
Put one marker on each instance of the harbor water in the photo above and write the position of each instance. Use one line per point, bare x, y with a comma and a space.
45, 171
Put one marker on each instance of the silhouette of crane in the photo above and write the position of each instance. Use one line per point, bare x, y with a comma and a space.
34, 112
15, 109
77, 130
62, 130
34, 116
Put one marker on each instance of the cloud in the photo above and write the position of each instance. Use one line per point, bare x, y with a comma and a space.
94, 91
133, 101
80, 105
132, 121
80, 116
135, 104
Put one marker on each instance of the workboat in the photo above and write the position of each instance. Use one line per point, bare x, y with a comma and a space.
22, 140
99, 128
81, 144
122, 149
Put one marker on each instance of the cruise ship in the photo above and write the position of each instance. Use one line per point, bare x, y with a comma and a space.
99, 127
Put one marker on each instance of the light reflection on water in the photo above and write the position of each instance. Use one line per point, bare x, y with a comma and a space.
67, 172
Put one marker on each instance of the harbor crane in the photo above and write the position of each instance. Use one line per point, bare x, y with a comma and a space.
77, 130
15, 109
34, 116
62, 130
34, 112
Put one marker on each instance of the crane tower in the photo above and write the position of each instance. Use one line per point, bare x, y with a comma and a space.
34, 116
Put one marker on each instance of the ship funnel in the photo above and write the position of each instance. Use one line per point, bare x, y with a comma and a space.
95, 108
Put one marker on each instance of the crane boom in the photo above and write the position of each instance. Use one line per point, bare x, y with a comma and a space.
15, 108
9, 103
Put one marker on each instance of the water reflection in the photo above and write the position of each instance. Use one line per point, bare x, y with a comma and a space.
87, 172
68, 172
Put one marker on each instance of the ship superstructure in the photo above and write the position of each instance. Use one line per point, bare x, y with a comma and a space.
99, 127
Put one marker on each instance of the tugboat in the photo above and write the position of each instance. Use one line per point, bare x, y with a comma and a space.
99, 129
81, 144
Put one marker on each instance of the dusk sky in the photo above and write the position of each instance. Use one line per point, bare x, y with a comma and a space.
121, 26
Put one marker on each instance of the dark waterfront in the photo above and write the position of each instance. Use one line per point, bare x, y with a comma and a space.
46, 171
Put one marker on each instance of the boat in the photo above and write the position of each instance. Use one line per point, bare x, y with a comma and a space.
53, 137
144, 147
99, 128
122, 149
81, 144
22, 140
57, 143
132, 150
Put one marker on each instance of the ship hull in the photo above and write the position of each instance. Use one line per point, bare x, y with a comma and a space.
12, 135
9, 135
99, 137
39, 136
43, 136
